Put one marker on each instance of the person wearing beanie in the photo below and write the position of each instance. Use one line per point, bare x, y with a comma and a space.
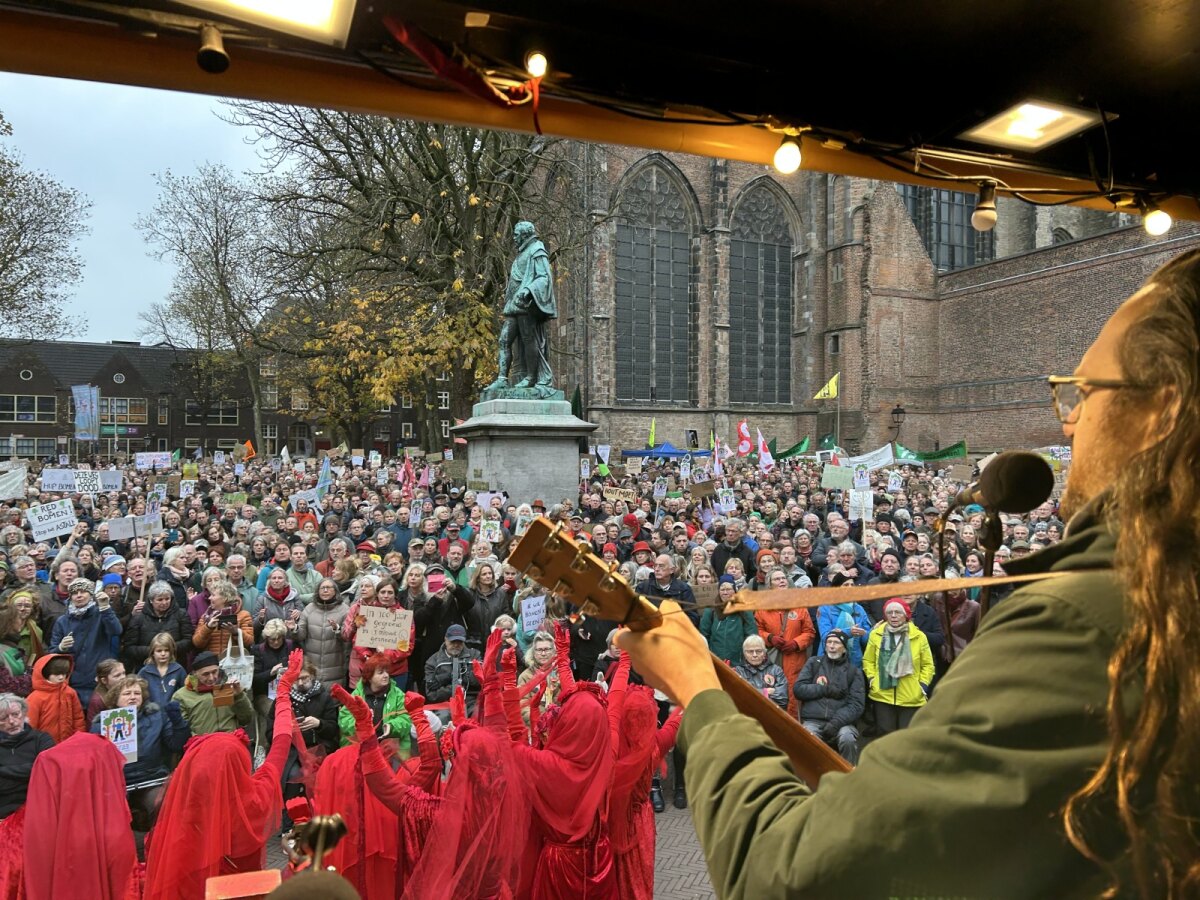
88, 633
833, 693
207, 703
898, 665
610, 552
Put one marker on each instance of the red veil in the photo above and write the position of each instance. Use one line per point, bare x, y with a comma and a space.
479, 832
367, 855
569, 779
215, 818
78, 842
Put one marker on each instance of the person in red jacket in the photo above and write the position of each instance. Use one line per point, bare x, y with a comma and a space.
53, 705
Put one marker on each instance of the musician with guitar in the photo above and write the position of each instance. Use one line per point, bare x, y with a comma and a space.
1006, 783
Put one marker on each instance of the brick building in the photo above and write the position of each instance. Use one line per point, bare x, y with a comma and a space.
716, 291
146, 404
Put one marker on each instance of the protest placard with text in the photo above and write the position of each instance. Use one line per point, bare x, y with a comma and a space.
617, 495
383, 628
51, 519
837, 478
120, 727
533, 613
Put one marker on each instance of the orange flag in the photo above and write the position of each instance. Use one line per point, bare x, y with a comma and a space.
250, 454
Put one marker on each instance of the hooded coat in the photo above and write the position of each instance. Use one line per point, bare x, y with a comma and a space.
54, 708
323, 645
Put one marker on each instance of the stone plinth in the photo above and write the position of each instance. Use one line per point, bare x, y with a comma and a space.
529, 448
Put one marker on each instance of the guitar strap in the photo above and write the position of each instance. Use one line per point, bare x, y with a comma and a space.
794, 598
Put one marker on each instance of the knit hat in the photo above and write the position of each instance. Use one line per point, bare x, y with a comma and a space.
903, 604
81, 584
111, 578
838, 579
111, 561
610, 548
890, 552
204, 660
631, 522
727, 579
840, 635
765, 551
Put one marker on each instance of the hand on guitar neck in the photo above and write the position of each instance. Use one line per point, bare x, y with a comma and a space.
672, 657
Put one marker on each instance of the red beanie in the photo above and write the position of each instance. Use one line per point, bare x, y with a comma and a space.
631, 522
903, 605
610, 548
765, 551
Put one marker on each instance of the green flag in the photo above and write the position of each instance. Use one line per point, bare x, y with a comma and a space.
175, 457
903, 454
828, 441
794, 450
602, 470
772, 448
954, 451
650, 442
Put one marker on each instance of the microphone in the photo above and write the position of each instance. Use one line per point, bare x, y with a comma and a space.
1016, 481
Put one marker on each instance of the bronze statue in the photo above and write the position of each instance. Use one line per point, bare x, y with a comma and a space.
528, 305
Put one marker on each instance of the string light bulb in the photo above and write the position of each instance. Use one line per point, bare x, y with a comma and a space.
787, 156
536, 63
1156, 221
984, 217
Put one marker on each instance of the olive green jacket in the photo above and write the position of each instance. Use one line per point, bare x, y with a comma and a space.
967, 801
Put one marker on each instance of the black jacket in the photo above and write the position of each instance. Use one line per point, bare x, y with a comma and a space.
17, 753
439, 676
320, 705
483, 614
840, 700
135, 641
742, 551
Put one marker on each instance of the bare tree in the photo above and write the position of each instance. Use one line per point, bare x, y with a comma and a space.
40, 220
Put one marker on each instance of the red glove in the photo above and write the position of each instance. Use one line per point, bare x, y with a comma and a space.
413, 704
789, 647
773, 640
364, 725
458, 706
288, 678
562, 647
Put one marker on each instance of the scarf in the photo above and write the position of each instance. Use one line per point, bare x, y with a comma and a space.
78, 611
895, 656
279, 596
845, 617
299, 695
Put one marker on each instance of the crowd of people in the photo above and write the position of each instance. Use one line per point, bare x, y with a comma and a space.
234, 632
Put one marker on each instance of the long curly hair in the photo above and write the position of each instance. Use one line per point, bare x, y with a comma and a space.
1148, 780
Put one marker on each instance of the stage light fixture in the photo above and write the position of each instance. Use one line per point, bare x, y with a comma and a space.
536, 63
324, 21
1033, 125
1156, 221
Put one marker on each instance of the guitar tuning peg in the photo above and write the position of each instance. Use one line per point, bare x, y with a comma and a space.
562, 589
580, 562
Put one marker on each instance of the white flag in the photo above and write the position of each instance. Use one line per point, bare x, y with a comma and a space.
12, 484
766, 461
285, 456
718, 470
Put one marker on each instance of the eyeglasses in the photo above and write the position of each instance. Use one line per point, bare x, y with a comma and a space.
1068, 393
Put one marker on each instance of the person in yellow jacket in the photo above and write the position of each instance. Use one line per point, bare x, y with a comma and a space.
899, 667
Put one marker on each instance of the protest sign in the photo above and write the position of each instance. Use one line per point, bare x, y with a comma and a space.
837, 478
120, 726
218, 458
660, 488
158, 489
725, 500
237, 498
895, 482
356, 460
414, 515
685, 470
111, 480
128, 527
239, 470
51, 519
862, 505
479, 486
58, 481
87, 481
491, 531
381, 477
298, 467
962, 473
876, 459
523, 521
702, 489
64, 459
374, 459
191, 470
862, 478
603, 451
706, 594
12, 484
585, 468
144, 461
186, 488
628, 495
533, 613
633, 465
384, 629
456, 470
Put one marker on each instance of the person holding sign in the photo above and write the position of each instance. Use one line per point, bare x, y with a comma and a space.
160, 730
366, 643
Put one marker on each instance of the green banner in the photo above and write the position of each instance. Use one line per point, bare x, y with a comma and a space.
954, 451
794, 450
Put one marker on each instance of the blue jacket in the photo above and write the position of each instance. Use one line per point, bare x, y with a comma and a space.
159, 730
827, 619
94, 632
163, 687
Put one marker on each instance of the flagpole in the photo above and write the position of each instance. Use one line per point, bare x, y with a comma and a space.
837, 426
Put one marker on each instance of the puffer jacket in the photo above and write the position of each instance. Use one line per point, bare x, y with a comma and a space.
277, 609
908, 691
840, 699
323, 645
54, 708
768, 679
159, 731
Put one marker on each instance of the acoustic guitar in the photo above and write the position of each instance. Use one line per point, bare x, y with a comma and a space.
573, 572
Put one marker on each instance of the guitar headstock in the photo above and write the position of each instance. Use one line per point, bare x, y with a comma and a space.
572, 571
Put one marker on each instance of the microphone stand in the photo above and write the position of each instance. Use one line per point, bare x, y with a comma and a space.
990, 536
947, 625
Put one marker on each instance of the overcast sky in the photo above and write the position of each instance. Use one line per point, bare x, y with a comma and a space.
107, 141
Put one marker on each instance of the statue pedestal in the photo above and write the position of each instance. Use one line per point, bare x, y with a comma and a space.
529, 448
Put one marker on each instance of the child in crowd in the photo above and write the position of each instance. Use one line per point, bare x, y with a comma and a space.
162, 671
54, 706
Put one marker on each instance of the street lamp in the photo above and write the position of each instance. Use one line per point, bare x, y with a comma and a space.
898, 418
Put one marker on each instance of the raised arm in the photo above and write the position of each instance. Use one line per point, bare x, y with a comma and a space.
562, 648
285, 720
387, 788
427, 744
616, 697
510, 697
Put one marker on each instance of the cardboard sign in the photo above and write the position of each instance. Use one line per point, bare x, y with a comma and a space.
627, 495
706, 594
702, 489
12, 484
111, 480
862, 478
127, 528
120, 726
533, 613
633, 465
862, 505
235, 499
58, 481
479, 486
51, 519
381, 477
356, 460
895, 482
456, 470
374, 459
191, 470
660, 489
962, 473
64, 459
414, 515
144, 461
239, 470
491, 531
383, 629
837, 477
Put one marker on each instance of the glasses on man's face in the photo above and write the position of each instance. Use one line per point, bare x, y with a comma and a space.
1070, 391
